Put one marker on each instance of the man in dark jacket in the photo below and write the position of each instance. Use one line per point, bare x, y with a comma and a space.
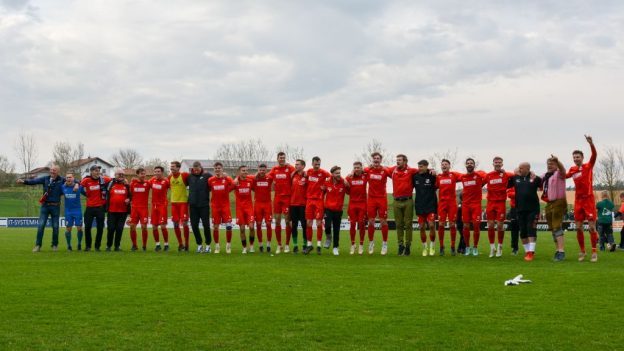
526, 185
199, 205
426, 205
50, 204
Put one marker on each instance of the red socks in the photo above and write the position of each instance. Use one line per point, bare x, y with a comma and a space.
593, 236
491, 235
155, 233
384, 232
278, 234
352, 233
319, 232
362, 233
259, 231
309, 232
165, 234
269, 232
441, 236
580, 237
215, 233
501, 236
144, 236
186, 235
133, 236
178, 234
228, 235
371, 232
453, 236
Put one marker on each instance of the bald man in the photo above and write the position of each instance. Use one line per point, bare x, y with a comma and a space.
526, 184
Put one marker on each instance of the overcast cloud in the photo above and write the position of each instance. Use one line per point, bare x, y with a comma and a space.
178, 78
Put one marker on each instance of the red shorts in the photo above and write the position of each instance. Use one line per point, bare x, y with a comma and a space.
585, 209
314, 209
159, 214
245, 215
377, 207
357, 211
447, 210
428, 217
221, 214
496, 211
139, 215
262, 210
471, 213
281, 204
179, 212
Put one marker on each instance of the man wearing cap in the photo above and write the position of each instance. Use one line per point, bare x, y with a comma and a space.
95, 189
50, 204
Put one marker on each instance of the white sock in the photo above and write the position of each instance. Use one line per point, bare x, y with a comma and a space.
158, 243
318, 243
166, 244
385, 243
492, 246
527, 247
532, 247
309, 243
432, 244
424, 246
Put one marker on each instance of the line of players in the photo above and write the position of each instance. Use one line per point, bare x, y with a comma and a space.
304, 197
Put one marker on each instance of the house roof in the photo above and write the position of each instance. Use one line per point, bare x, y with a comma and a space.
39, 170
84, 161
207, 163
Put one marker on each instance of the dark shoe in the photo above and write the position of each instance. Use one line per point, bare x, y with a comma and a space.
134, 248
87, 249
268, 249
407, 250
559, 256
186, 248
157, 248
166, 248
441, 251
69, 248
307, 249
453, 253
117, 249
97, 249
79, 247
144, 248
318, 250
613, 246
180, 248
108, 249
514, 252
296, 249
401, 249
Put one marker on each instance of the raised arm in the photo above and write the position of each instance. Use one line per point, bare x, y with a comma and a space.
594, 154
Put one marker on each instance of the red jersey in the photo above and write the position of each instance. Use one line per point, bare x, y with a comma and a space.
473, 184
262, 188
159, 190
220, 188
511, 195
497, 185
377, 178
94, 192
357, 188
140, 193
282, 177
316, 179
446, 182
583, 177
402, 183
335, 194
117, 196
299, 190
243, 192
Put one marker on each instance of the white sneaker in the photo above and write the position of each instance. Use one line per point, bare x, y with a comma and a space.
200, 249
251, 249
492, 251
360, 249
278, 250
336, 253
352, 250
37, 248
217, 248
207, 249
371, 247
432, 250
499, 251
467, 251
244, 250
287, 249
475, 251
228, 248
384, 249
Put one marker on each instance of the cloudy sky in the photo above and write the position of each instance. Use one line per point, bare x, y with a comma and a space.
178, 78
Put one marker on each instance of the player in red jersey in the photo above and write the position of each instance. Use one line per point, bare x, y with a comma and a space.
584, 201
496, 208
356, 188
377, 204
95, 189
139, 210
282, 182
179, 204
262, 185
159, 185
243, 184
334, 203
473, 182
446, 182
220, 186
118, 203
316, 179
298, 204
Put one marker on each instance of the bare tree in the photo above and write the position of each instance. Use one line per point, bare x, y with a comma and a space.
7, 171
372, 147
609, 170
26, 150
437, 158
252, 150
65, 155
153, 162
292, 152
127, 158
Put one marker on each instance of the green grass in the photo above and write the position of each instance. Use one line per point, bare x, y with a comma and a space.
162, 301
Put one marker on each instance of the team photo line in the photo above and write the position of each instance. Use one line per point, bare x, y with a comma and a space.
288, 198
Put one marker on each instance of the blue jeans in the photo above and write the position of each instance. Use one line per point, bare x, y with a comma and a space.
54, 213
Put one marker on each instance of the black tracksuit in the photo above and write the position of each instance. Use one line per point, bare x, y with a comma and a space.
426, 200
199, 205
527, 204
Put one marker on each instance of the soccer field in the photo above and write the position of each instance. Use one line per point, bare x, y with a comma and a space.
163, 301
